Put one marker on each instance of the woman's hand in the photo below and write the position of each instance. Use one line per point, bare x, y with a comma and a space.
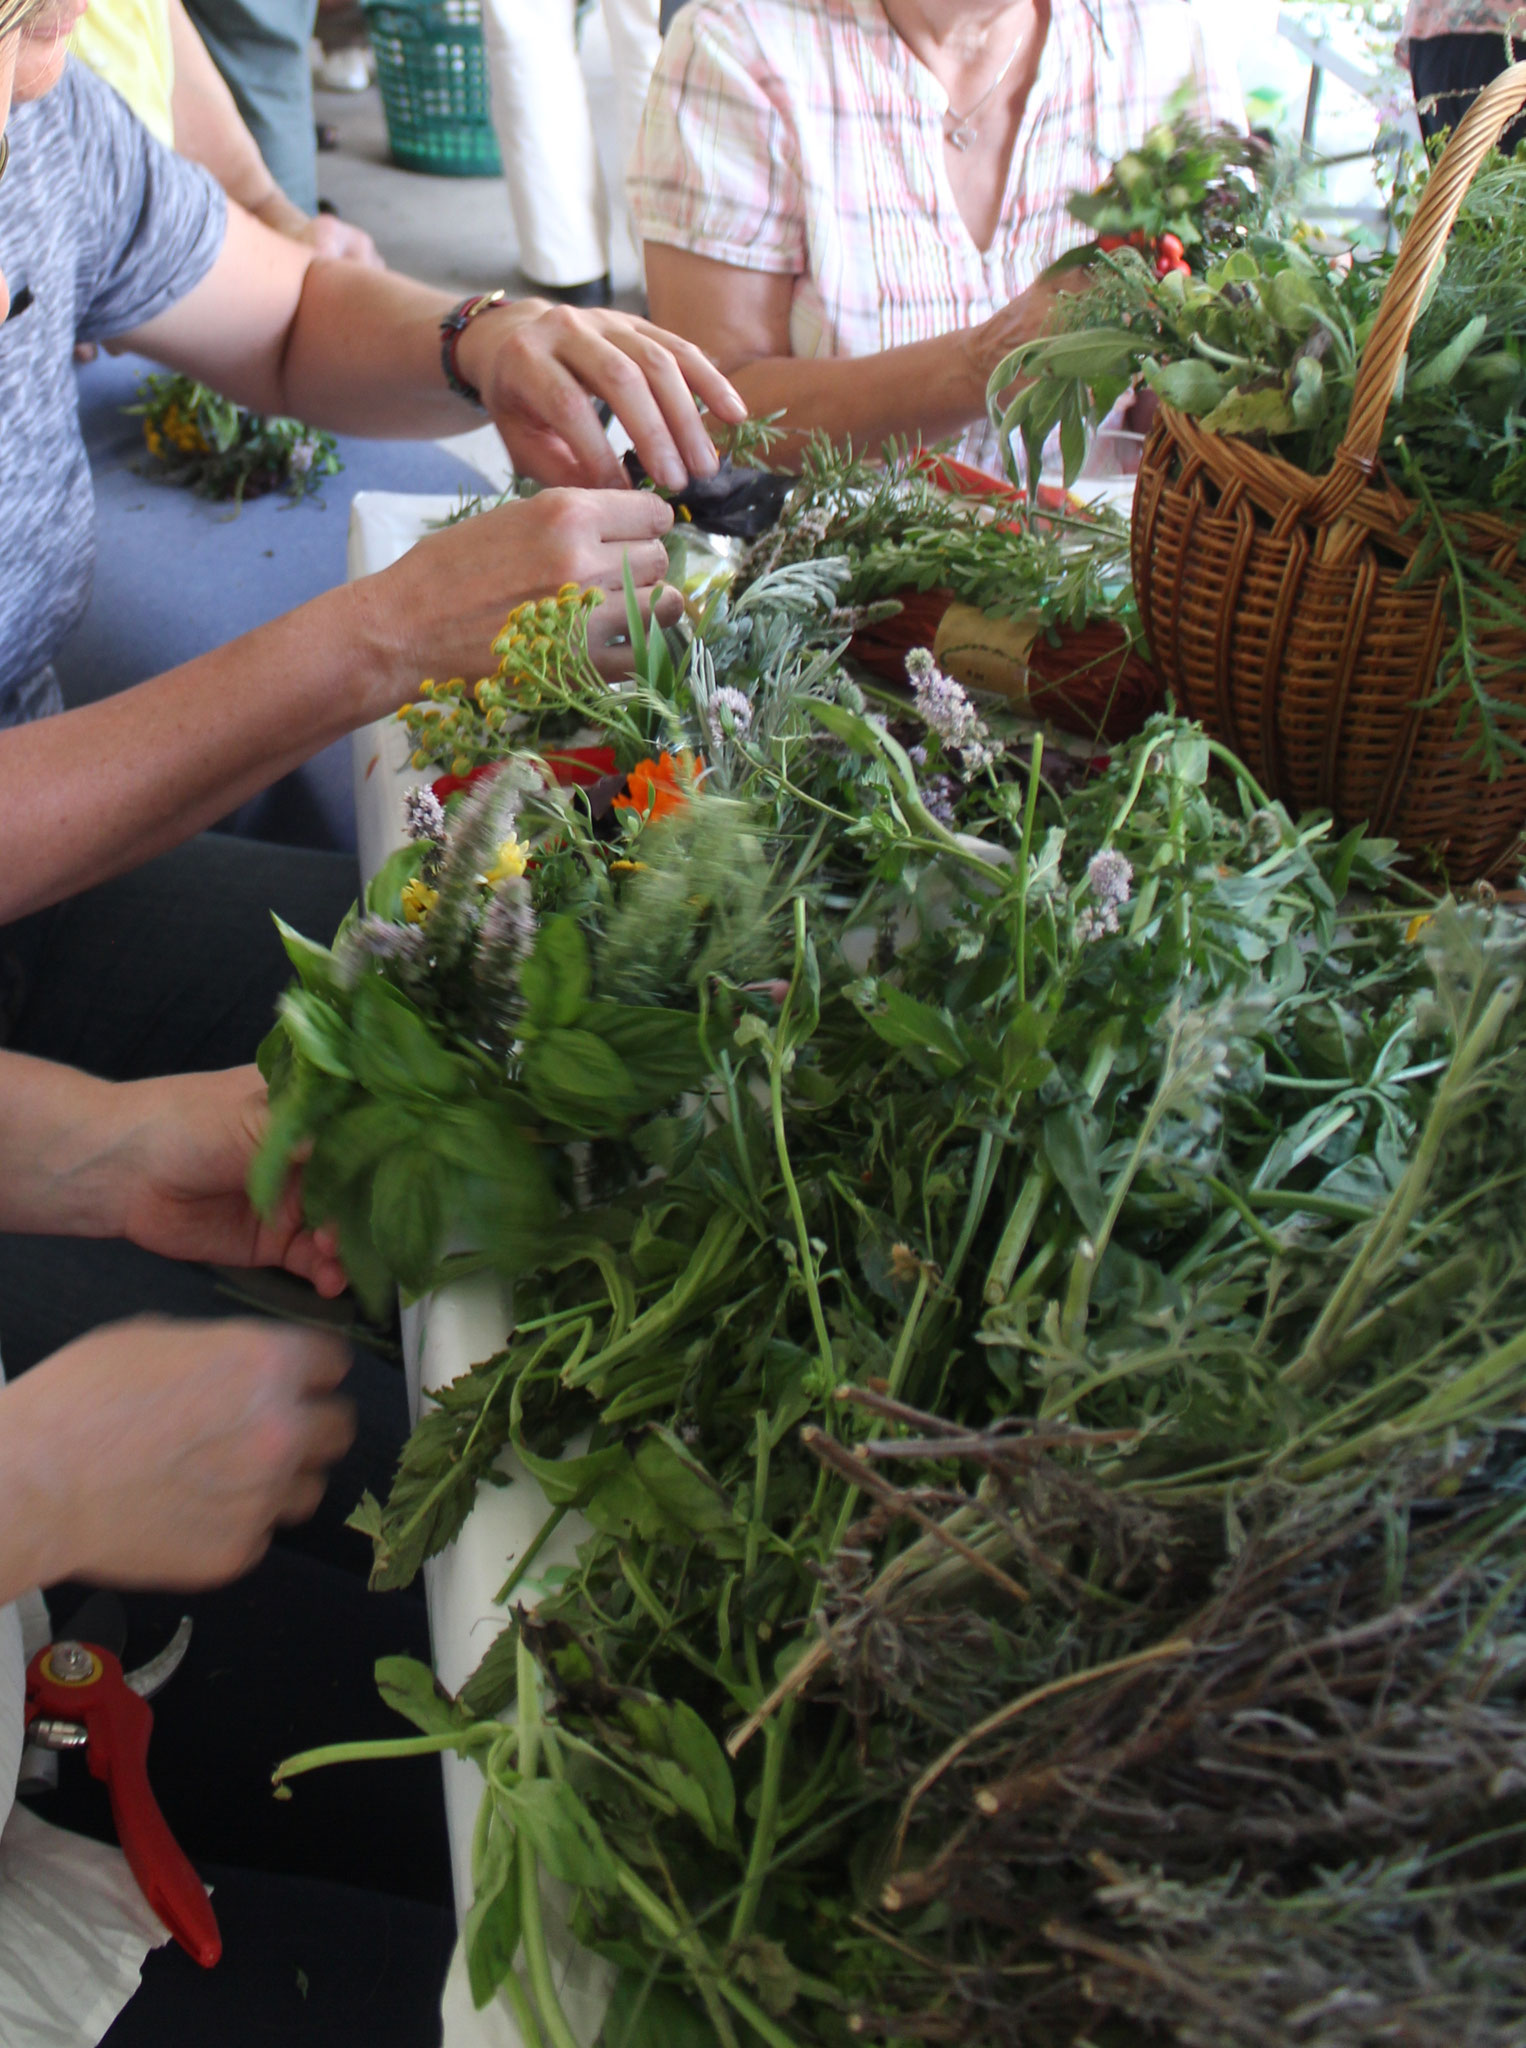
1023, 319
155, 1453
541, 367
179, 1151
446, 600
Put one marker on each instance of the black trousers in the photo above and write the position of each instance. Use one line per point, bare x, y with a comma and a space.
1449, 72
334, 1905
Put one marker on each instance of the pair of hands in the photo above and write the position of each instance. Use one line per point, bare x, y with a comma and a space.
541, 369
163, 1453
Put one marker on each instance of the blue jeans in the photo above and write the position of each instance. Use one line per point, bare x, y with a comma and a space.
260, 47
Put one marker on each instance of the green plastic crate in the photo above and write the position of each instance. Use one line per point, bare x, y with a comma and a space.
432, 70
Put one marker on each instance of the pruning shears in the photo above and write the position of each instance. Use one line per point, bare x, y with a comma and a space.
79, 1697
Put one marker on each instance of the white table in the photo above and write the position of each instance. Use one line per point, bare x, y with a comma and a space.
443, 1336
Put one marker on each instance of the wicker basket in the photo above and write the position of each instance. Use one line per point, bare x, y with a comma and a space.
1276, 603
432, 70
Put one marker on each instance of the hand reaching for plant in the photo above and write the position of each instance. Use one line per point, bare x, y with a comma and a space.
541, 367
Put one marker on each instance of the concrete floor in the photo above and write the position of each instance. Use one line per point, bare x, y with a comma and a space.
457, 232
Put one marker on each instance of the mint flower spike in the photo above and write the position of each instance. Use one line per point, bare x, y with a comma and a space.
423, 815
945, 708
1110, 877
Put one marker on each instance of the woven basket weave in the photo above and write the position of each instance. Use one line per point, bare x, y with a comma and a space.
1277, 607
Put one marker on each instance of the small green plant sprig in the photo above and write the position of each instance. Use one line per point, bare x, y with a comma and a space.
223, 451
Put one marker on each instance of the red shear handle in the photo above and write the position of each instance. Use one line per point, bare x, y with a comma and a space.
119, 1724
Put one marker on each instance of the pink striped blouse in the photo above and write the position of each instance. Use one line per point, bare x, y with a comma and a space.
803, 138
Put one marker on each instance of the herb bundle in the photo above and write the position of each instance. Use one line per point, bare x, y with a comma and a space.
822, 1068
223, 451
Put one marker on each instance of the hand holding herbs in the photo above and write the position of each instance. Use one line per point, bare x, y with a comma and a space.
1016, 1256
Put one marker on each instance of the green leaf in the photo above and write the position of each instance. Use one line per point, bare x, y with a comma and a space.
555, 1823
573, 1482
900, 1020
687, 1495
412, 1690
315, 964
698, 1775
1444, 365
646, 2014
1071, 1141
661, 1048
408, 1214
274, 1055
1252, 412
354, 1143
319, 1032
494, 1683
396, 1052
384, 893
577, 1079
492, 1929
554, 980
488, 1141
1191, 386
1073, 440
299, 1106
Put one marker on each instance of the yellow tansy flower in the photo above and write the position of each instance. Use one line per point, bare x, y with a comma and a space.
418, 900
513, 859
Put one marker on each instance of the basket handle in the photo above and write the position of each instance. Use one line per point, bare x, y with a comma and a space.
1424, 246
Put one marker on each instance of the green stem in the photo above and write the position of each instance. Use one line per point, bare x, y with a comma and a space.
543, 1535
902, 1359
1030, 811
781, 1148
982, 1181
1385, 1242
1014, 1239
765, 1828
481, 1736
668, 1926
532, 1923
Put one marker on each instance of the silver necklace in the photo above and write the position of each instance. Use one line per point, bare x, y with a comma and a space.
964, 130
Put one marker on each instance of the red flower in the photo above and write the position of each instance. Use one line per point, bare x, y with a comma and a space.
451, 785
581, 767
574, 768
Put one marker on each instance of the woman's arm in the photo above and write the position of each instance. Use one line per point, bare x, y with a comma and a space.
210, 130
359, 351
928, 389
97, 791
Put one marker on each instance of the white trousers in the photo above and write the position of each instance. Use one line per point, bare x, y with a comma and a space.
545, 129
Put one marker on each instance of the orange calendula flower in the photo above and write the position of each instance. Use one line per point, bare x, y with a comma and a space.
656, 789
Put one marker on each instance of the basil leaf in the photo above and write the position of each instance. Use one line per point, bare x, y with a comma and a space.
408, 1198
555, 979
318, 1032
315, 964
396, 1053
